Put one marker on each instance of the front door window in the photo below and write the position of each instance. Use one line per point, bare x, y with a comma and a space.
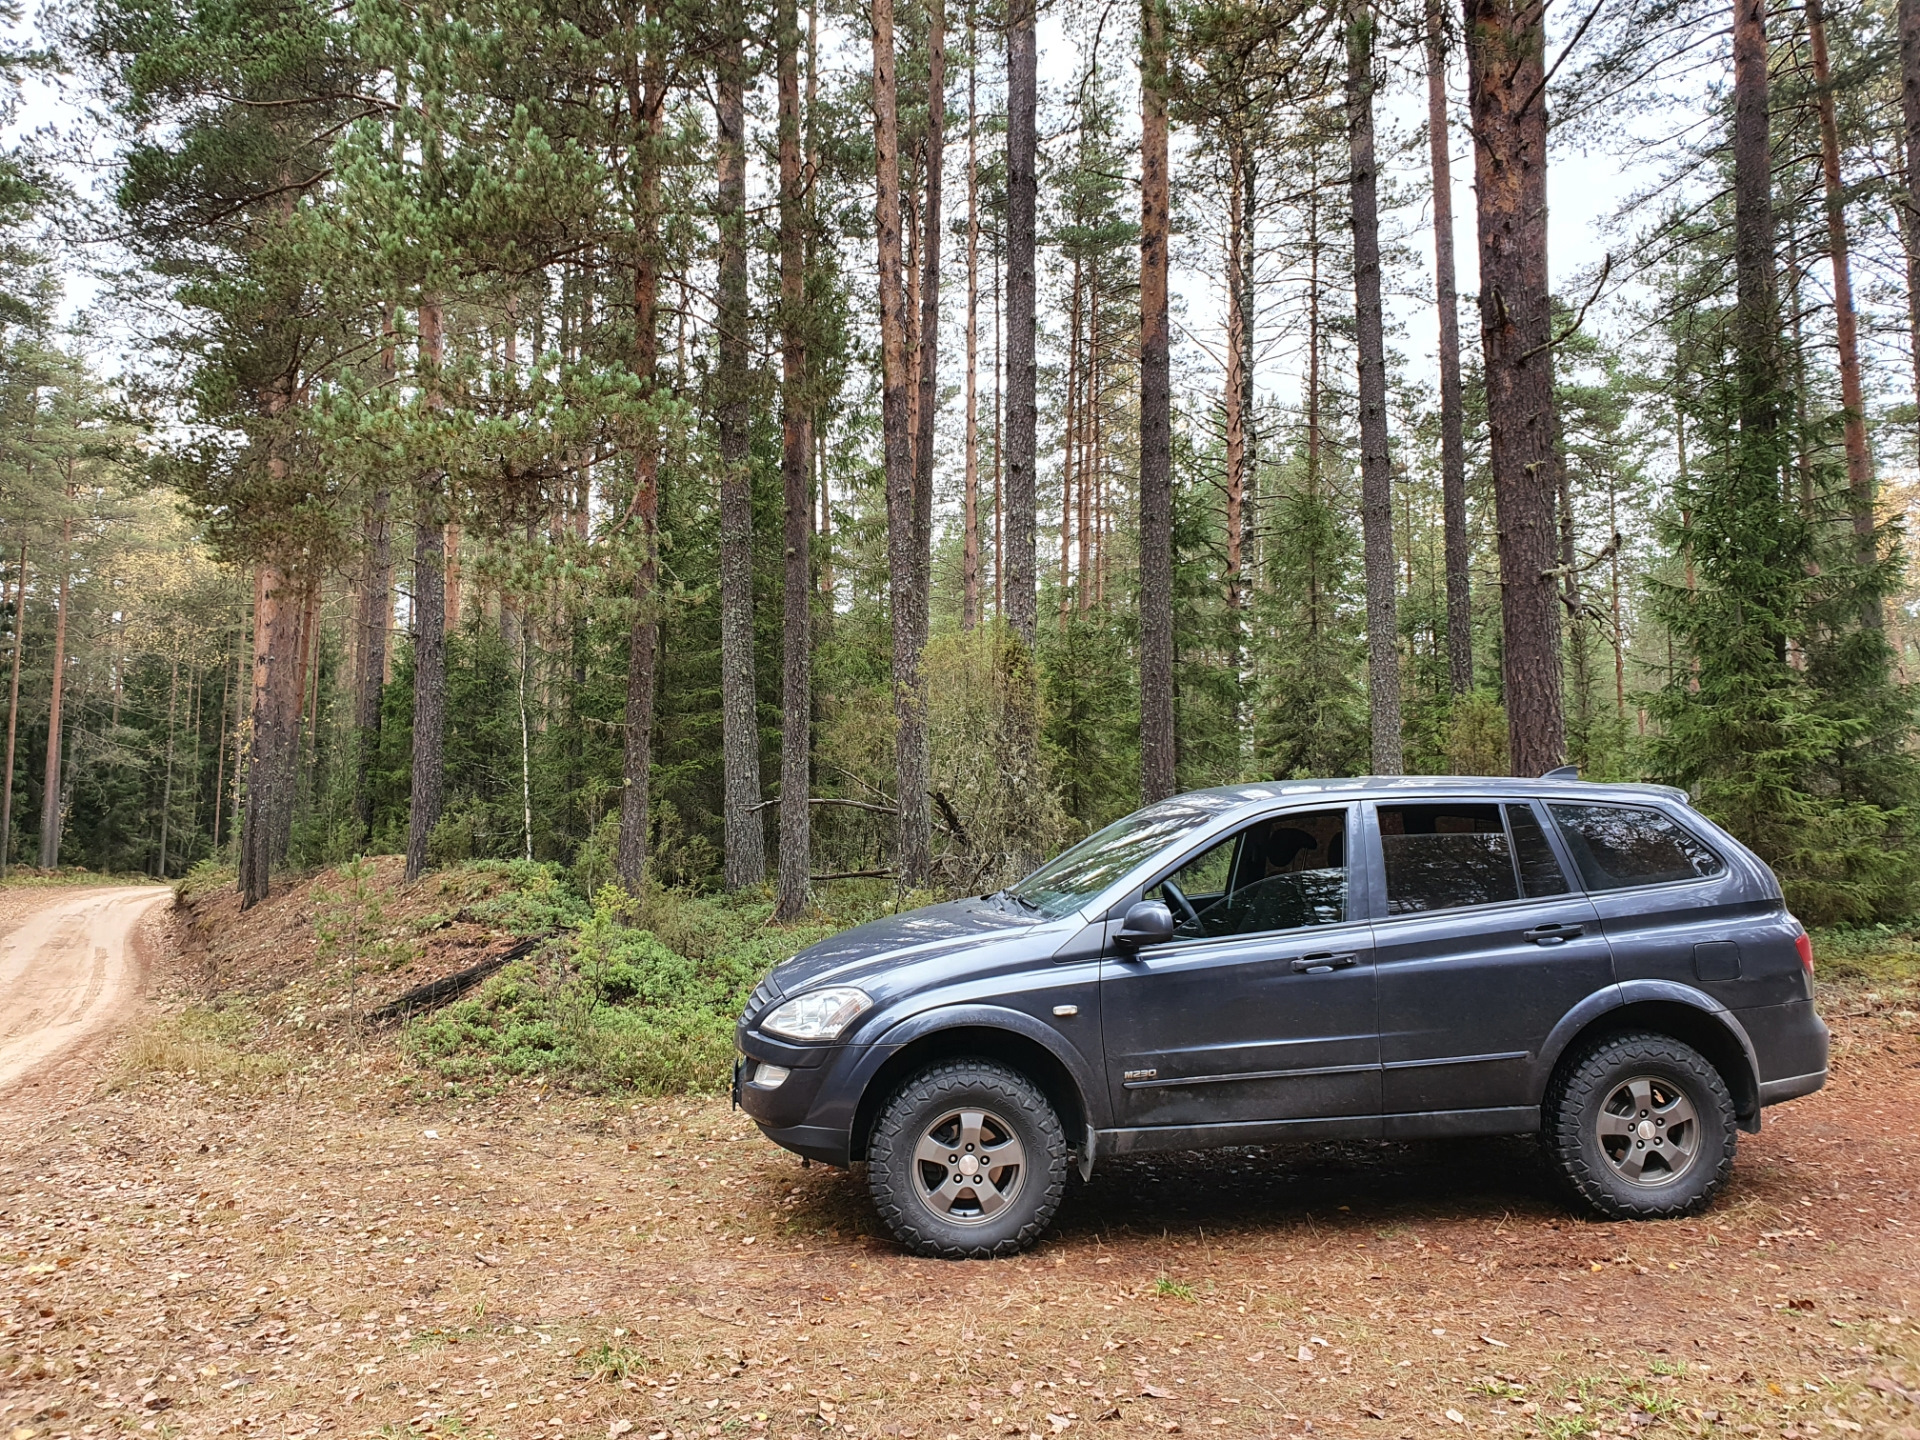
1279, 874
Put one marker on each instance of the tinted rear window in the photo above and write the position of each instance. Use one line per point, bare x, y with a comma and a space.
1443, 856
1616, 846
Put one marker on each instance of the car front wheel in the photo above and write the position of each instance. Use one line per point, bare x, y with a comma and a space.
967, 1161
1642, 1127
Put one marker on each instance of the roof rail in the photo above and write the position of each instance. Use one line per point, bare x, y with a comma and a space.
1562, 772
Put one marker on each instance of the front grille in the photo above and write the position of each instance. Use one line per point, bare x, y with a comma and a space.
764, 996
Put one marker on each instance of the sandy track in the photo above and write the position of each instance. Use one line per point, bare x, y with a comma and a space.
68, 969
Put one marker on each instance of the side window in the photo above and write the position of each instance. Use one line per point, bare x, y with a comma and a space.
1445, 855
1540, 872
1616, 846
1278, 874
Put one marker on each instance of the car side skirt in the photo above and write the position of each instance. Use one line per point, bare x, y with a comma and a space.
1507, 1120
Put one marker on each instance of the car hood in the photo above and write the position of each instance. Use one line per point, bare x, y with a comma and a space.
908, 940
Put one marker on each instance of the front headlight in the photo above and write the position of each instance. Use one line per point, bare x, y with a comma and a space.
817, 1015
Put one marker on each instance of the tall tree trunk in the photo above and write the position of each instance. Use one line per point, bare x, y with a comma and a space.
927, 379
1070, 446
1234, 398
746, 858
1909, 20
1376, 466
647, 102
50, 796
1313, 333
1756, 333
909, 697
1846, 325
166, 787
970, 543
13, 712
1506, 80
796, 453
1157, 753
371, 619
1022, 435
1453, 449
429, 623
276, 688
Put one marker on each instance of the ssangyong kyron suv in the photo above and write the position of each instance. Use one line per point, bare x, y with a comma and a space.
1405, 958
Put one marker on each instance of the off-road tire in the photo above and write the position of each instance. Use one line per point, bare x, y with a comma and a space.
1575, 1108
1014, 1102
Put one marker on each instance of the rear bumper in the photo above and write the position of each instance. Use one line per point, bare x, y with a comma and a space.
1790, 1042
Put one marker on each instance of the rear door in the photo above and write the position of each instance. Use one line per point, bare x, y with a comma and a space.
1262, 1006
1482, 943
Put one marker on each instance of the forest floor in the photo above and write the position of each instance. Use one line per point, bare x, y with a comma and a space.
206, 1232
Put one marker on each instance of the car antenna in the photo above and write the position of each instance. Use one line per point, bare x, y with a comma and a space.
1562, 772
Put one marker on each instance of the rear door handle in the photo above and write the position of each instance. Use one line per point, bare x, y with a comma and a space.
1322, 963
1554, 934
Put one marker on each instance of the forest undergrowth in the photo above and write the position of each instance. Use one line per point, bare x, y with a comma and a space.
614, 993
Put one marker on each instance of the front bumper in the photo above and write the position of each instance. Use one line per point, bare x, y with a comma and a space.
812, 1111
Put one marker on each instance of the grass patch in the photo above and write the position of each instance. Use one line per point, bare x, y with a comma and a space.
642, 996
210, 1045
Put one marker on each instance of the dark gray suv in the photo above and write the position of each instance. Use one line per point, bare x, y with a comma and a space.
1401, 958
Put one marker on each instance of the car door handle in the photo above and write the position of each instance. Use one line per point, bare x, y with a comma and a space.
1322, 963
1554, 934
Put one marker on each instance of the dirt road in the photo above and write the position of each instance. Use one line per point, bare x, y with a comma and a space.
67, 970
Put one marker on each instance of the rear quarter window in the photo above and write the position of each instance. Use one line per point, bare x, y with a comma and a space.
1619, 846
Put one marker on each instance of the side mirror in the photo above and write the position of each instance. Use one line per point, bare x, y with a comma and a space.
1148, 923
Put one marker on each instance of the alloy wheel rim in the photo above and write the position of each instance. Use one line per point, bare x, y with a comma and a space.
1649, 1131
968, 1166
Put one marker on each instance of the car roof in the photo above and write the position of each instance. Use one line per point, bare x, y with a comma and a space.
1388, 787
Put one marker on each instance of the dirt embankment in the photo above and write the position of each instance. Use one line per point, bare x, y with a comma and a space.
325, 1243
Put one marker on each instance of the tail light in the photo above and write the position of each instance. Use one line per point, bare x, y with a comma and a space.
1803, 942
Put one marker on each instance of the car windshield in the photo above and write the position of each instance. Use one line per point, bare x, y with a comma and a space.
1068, 881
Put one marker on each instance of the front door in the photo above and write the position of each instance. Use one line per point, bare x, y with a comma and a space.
1482, 946
1261, 1008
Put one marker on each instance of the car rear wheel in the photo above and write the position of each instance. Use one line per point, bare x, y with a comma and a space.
967, 1161
1642, 1127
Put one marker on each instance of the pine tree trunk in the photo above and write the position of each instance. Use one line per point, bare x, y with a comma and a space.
1453, 449
429, 625
909, 697
1846, 324
1909, 20
1069, 447
1157, 753
1234, 397
1506, 67
50, 795
13, 712
1376, 466
1021, 596
276, 687
927, 377
166, 787
970, 542
646, 101
746, 859
371, 618
796, 453
1753, 228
